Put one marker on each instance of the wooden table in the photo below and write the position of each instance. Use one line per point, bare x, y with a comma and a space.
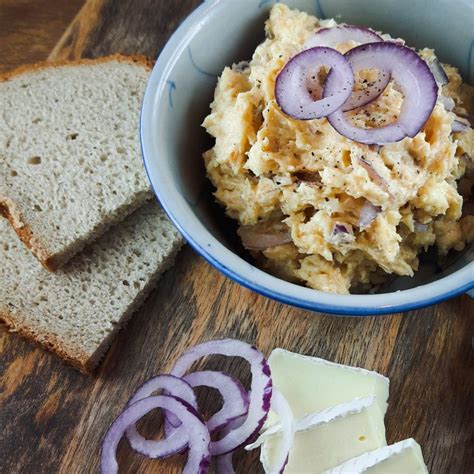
52, 418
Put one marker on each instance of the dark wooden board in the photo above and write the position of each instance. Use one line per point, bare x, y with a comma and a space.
31, 28
52, 418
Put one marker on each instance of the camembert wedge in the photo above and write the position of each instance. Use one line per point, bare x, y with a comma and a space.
331, 437
310, 384
404, 457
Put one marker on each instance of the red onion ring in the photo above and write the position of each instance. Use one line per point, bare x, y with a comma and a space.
438, 72
291, 86
260, 391
342, 34
174, 386
331, 37
410, 72
198, 439
236, 398
224, 462
363, 97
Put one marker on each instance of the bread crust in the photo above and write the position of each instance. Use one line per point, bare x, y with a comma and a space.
28, 68
72, 355
8, 208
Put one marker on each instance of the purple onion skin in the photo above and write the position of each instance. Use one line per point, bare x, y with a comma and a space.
266, 403
265, 367
340, 229
286, 462
205, 464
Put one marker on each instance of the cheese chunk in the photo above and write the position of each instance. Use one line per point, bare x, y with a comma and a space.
404, 457
331, 437
310, 384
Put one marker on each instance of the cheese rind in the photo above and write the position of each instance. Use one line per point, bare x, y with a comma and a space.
311, 384
314, 419
332, 436
403, 457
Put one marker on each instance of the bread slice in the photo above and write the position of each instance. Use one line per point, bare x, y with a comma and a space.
70, 158
77, 310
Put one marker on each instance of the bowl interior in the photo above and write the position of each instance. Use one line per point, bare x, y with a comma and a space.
228, 33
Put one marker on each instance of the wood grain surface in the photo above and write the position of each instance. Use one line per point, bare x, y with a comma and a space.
29, 29
52, 418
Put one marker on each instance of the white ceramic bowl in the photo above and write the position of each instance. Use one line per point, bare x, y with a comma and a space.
221, 32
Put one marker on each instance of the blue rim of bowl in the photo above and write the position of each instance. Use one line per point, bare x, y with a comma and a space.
341, 310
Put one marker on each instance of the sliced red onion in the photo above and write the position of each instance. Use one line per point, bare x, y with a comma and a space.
342, 233
460, 125
286, 421
224, 462
342, 34
235, 397
342, 228
331, 37
260, 391
197, 435
448, 102
366, 96
409, 71
373, 175
253, 238
368, 214
173, 386
292, 84
438, 72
